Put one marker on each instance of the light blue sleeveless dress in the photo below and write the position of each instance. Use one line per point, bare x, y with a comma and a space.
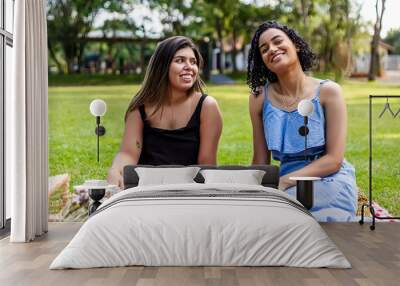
335, 196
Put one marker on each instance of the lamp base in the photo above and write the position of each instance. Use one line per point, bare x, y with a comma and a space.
305, 190
305, 193
96, 195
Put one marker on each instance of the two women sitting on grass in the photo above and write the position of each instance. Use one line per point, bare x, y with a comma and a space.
167, 121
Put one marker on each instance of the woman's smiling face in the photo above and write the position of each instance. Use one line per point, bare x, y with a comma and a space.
183, 70
277, 50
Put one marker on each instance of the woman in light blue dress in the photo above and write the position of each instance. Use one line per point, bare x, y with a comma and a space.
278, 59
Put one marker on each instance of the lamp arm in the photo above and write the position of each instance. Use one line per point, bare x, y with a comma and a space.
98, 139
305, 137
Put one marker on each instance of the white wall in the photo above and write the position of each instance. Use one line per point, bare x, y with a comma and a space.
241, 58
392, 62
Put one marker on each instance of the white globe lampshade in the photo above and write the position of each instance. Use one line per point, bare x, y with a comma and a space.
305, 107
98, 107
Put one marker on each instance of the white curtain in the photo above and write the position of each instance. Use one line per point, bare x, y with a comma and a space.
26, 127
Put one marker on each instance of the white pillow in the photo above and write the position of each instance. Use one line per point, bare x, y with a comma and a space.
163, 176
248, 177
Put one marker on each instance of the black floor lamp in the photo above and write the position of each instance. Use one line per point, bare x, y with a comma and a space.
305, 185
98, 108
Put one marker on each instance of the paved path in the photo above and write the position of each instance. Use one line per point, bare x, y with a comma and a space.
391, 77
221, 79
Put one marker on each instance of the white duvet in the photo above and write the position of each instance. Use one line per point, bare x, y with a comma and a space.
237, 228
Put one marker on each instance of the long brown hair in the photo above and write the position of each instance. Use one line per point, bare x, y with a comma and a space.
154, 90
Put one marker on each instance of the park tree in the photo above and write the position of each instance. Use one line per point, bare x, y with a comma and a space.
110, 29
246, 18
68, 24
179, 17
354, 25
299, 14
333, 30
393, 38
374, 62
235, 27
217, 17
341, 28
329, 26
306, 8
222, 21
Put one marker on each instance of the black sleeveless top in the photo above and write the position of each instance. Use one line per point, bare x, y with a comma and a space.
171, 147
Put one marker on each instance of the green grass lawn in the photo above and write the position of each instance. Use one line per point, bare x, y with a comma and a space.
72, 141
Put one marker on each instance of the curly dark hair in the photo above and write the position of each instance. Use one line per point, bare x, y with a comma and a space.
257, 73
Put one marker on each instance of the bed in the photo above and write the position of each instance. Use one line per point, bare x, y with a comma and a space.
201, 224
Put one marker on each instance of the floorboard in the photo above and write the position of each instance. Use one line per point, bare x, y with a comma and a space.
374, 255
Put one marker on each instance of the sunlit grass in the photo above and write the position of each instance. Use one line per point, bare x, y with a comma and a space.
72, 139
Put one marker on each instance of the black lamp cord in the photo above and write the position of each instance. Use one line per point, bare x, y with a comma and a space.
98, 136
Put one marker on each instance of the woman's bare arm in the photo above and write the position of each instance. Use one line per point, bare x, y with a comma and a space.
130, 150
261, 154
210, 131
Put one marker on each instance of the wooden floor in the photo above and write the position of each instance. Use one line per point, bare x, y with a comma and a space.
374, 255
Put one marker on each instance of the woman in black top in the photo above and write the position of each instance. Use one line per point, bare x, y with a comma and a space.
170, 120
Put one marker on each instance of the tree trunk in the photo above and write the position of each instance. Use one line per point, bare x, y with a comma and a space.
234, 51
70, 52
349, 43
204, 47
327, 50
70, 59
374, 62
80, 56
70, 65
54, 57
304, 14
142, 48
142, 60
218, 27
330, 40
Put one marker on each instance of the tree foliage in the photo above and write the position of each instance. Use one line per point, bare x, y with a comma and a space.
374, 66
69, 22
393, 38
332, 27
